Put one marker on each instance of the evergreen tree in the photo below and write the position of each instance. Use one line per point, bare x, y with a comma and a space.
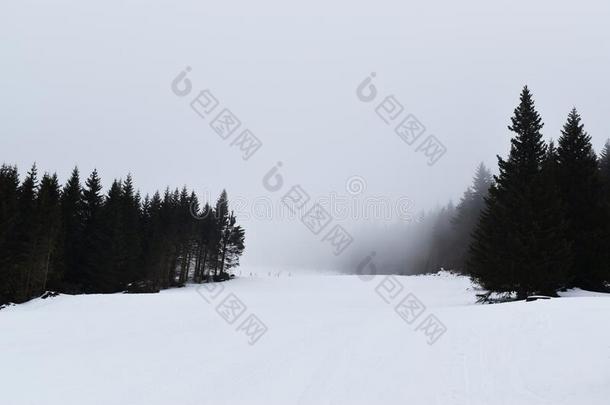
9, 185
77, 240
604, 171
219, 237
49, 223
467, 214
516, 227
92, 255
550, 235
9, 219
581, 192
25, 238
186, 228
71, 232
112, 255
235, 245
170, 229
130, 207
153, 245
205, 237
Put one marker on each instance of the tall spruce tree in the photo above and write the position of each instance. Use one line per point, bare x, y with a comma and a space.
112, 255
555, 255
71, 233
221, 223
49, 223
517, 227
26, 235
581, 192
604, 171
153, 241
467, 214
9, 219
92, 248
234, 246
186, 227
130, 208
205, 234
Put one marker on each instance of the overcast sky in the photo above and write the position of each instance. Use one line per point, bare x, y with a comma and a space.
88, 84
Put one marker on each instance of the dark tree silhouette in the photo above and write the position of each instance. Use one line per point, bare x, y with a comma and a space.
467, 214
581, 192
78, 240
519, 227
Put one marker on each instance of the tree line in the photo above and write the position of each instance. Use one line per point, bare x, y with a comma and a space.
542, 224
75, 239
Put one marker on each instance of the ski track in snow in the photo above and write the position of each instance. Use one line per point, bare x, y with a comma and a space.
331, 340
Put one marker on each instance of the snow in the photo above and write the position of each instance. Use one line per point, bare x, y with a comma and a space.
329, 340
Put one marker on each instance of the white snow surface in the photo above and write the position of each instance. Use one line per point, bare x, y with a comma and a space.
330, 340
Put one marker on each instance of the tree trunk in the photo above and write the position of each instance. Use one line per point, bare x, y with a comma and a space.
46, 270
222, 261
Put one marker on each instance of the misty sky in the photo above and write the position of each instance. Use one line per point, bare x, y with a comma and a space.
88, 84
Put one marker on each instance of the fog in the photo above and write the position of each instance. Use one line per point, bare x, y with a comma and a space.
99, 85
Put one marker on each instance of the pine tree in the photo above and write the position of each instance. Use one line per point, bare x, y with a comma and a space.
550, 235
71, 233
235, 245
170, 230
130, 206
112, 255
78, 240
516, 228
205, 236
92, 255
9, 185
580, 187
9, 219
467, 214
26, 236
604, 171
185, 235
49, 222
92, 199
153, 245
221, 223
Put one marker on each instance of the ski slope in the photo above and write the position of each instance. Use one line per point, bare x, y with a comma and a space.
328, 340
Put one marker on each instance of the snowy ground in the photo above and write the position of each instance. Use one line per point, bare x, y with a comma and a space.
329, 340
